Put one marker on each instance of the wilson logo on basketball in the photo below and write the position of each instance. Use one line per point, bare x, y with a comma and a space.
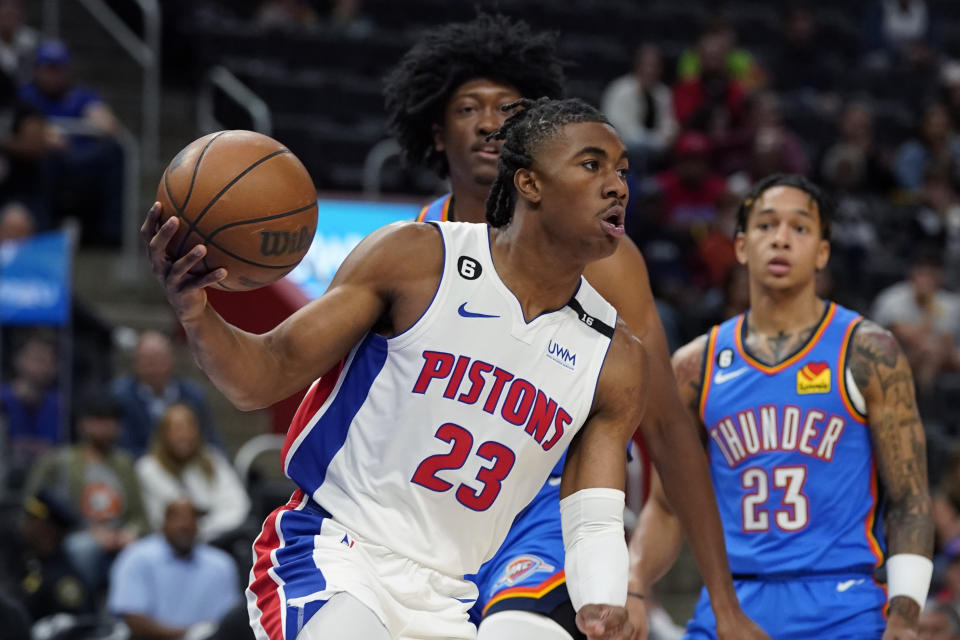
814, 377
278, 243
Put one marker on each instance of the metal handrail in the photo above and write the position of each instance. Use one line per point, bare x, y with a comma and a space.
145, 52
373, 165
130, 234
219, 77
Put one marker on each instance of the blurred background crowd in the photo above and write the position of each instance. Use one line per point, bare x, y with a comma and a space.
131, 486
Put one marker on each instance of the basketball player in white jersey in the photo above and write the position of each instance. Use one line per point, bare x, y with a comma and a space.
471, 359
443, 99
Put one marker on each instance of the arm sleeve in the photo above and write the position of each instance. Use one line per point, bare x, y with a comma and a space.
596, 549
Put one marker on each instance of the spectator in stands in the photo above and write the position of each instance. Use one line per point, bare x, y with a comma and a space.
924, 317
168, 585
937, 147
689, 189
710, 100
804, 67
640, 106
762, 144
152, 389
900, 31
287, 14
738, 64
34, 567
180, 465
88, 172
30, 403
855, 161
938, 621
17, 41
16, 222
101, 484
936, 222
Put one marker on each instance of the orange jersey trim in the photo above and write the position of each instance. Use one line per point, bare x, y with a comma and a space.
872, 516
536, 592
738, 339
842, 373
444, 215
707, 371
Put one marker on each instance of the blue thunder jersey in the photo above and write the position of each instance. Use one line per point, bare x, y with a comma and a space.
432, 441
790, 454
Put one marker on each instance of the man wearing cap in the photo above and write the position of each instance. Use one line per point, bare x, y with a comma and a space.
34, 568
90, 166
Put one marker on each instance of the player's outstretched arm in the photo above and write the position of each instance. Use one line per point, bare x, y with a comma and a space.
592, 497
883, 376
390, 272
677, 450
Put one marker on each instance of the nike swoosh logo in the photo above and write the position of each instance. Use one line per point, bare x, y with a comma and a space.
723, 376
462, 310
846, 584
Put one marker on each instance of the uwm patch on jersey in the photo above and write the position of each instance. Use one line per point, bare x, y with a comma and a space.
813, 377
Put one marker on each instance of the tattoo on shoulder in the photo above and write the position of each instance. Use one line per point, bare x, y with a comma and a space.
875, 354
688, 368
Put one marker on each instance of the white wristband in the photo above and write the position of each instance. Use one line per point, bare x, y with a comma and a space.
596, 549
909, 574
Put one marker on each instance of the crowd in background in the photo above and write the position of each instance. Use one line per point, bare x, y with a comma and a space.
137, 481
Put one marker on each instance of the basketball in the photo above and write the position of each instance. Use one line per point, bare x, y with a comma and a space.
248, 199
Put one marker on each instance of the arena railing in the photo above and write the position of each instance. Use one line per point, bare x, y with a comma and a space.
219, 77
145, 52
132, 215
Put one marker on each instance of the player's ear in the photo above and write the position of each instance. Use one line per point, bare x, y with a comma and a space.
438, 138
525, 180
740, 247
823, 254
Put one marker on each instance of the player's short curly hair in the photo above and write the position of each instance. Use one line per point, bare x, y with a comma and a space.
825, 204
490, 46
522, 134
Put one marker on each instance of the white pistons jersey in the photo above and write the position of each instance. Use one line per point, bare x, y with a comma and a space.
431, 442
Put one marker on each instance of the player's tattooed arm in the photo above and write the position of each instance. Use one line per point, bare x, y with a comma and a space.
881, 372
688, 369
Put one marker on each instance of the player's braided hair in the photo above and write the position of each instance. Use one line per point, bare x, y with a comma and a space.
490, 46
825, 205
522, 134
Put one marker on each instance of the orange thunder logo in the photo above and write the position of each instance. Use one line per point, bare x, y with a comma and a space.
814, 377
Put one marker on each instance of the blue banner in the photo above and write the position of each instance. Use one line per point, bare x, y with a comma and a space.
35, 278
341, 224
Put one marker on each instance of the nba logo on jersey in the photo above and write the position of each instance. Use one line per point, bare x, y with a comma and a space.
813, 377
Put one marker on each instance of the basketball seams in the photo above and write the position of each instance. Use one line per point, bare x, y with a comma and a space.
191, 224
235, 180
277, 216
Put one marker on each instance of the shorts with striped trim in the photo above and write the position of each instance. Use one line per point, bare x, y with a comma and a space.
526, 573
303, 557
